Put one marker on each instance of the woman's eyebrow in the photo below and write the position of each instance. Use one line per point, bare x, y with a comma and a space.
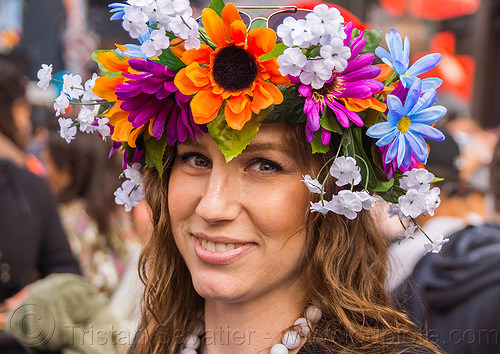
267, 146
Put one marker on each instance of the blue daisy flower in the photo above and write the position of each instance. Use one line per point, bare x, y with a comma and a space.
398, 59
117, 9
407, 125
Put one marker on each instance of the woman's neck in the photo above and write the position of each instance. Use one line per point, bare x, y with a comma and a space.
252, 326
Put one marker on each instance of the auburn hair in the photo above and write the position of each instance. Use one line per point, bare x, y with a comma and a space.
344, 271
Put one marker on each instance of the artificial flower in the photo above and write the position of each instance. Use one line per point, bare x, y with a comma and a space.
129, 194
291, 62
345, 170
335, 55
88, 95
135, 21
86, 118
315, 73
153, 100
44, 76
391, 166
72, 85
232, 72
408, 232
435, 247
319, 207
344, 88
346, 203
157, 41
418, 178
60, 104
407, 125
67, 129
398, 58
313, 185
117, 9
432, 200
295, 32
133, 172
412, 204
103, 127
366, 199
326, 20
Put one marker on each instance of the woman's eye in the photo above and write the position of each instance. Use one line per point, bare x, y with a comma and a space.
195, 160
266, 166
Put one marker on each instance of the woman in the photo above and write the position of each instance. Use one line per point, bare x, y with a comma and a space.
228, 123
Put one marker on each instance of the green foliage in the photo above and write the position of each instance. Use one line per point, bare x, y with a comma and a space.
232, 142
329, 121
292, 108
169, 59
217, 6
317, 145
373, 38
278, 49
106, 72
155, 149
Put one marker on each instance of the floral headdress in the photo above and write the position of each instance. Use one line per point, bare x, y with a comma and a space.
225, 77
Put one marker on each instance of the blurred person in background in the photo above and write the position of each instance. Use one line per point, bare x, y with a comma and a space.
32, 241
100, 232
455, 295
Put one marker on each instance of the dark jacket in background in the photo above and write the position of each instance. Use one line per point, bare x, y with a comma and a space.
456, 293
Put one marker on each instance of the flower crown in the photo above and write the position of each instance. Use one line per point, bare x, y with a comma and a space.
225, 76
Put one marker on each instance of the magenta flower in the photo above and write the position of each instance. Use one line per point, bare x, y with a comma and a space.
152, 95
355, 82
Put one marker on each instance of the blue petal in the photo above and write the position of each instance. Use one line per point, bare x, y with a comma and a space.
379, 130
427, 100
383, 54
418, 146
394, 103
393, 150
393, 117
429, 115
389, 63
395, 44
424, 64
431, 83
413, 96
117, 16
400, 68
407, 81
405, 59
401, 149
407, 156
388, 138
427, 131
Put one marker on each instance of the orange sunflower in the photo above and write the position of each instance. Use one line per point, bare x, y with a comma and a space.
232, 72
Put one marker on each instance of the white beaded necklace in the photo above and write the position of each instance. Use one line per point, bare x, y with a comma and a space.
290, 340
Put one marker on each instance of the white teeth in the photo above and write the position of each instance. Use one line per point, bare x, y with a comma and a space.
217, 247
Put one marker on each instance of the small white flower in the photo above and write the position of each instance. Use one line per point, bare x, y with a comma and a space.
346, 203
192, 40
103, 127
335, 55
412, 204
320, 207
44, 75
366, 199
418, 179
435, 247
86, 117
60, 104
346, 171
173, 7
68, 131
135, 21
72, 85
133, 172
326, 20
129, 194
295, 33
395, 210
312, 184
157, 41
432, 200
88, 94
141, 3
291, 62
409, 232
315, 73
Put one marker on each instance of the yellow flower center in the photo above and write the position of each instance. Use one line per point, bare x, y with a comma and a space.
327, 90
404, 124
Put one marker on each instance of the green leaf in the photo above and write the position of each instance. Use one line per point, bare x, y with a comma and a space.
232, 142
217, 6
105, 71
155, 149
278, 49
317, 146
291, 109
373, 38
437, 179
169, 59
258, 23
104, 107
330, 122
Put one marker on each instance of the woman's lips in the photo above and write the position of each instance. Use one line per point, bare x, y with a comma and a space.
219, 252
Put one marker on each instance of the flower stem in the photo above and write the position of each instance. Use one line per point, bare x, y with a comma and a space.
420, 228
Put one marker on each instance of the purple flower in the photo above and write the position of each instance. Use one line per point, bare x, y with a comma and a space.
355, 82
151, 96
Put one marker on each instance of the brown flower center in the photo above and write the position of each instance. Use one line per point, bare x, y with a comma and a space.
234, 69
328, 89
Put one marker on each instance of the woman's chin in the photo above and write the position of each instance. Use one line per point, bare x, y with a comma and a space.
220, 289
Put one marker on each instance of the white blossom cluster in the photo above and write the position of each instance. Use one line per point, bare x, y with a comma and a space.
131, 192
324, 29
74, 92
173, 16
346, 202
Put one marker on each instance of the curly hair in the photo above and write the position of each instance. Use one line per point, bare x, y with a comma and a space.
344, 274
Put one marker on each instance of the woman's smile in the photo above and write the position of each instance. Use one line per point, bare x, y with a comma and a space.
220, 252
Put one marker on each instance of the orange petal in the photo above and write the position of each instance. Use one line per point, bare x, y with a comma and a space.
385, 73
201, 55
237, 103
214, 27
265, 95
237, 120
230, 14
234, 26
205, 106
111, 62
190, 79
177, 47
105, 87
261, 41
270, 67
238, 32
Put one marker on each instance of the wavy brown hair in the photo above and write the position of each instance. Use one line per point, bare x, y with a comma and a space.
344, 269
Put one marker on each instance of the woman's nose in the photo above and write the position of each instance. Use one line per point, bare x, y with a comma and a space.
219, 201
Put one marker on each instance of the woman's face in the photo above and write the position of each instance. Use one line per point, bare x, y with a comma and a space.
240, 226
